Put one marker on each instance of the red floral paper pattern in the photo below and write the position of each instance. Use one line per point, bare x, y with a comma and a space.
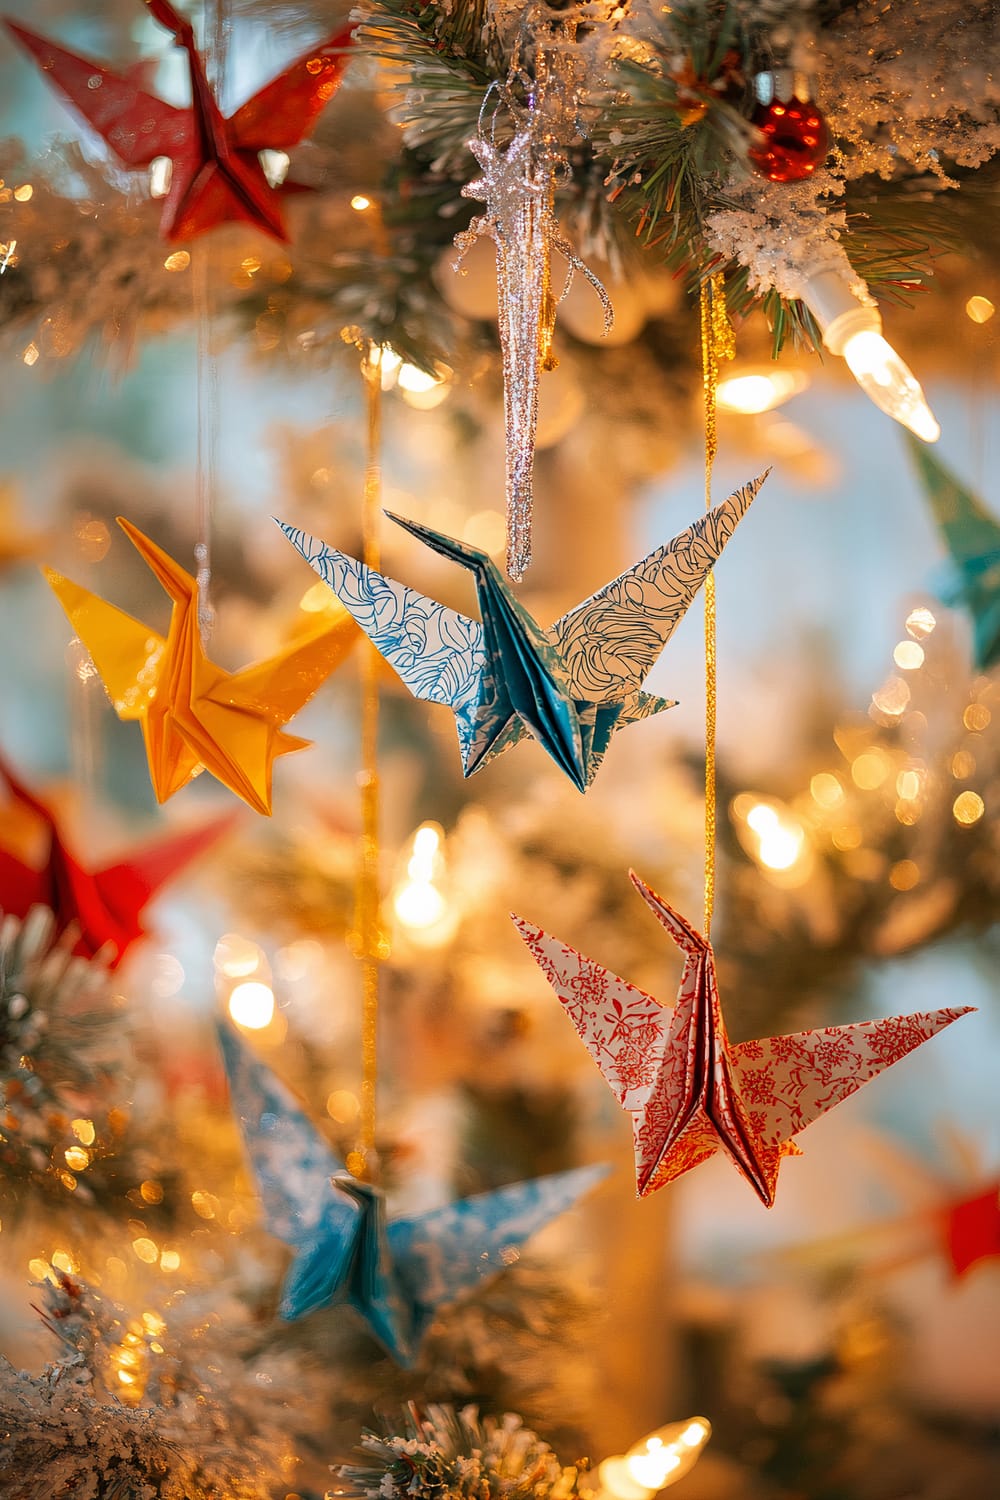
690, 1092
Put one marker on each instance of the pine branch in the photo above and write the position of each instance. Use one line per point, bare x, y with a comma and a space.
440, 62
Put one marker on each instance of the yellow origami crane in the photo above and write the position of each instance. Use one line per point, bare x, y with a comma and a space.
194, 715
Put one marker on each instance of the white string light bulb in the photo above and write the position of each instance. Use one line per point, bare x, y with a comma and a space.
655, 1462
420, 901
854, 331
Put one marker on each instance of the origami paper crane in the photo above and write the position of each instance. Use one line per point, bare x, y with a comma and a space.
973, 1229
690, 1092
959, 1203
216, 174
195, 716
972, 537
396, 1274
571, 686
106, 904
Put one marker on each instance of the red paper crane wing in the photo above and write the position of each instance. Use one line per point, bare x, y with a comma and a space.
973, 1229
136, 125
789, 1081
21, 887
125, 889
151, 865
104, 906
20, 793
61, 883
286, 108
625, 1030
107, 905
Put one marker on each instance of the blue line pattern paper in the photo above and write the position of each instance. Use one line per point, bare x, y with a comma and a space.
395, 1273
570, 687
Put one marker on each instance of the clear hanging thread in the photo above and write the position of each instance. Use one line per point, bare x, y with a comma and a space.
216, 19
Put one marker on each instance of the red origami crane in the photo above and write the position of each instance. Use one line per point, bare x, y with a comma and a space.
973, 1229
689, 1090
216, 173
104, 905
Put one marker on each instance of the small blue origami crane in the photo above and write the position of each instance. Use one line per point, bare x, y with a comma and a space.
972, 537
571, 686
395, 1274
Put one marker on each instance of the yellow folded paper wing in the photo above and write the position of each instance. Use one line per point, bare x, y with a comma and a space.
126, 653
194, 715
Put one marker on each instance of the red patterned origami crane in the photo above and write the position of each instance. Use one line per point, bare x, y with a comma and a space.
689, 1090
103, 905
216, 172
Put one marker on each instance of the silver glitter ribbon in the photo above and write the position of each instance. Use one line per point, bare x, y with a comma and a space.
518, 184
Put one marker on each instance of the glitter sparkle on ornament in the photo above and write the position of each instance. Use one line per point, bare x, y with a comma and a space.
518, 183
795, 138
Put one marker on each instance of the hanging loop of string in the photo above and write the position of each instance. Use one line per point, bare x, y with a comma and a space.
717, 343
206, 440
367, 939
216, 46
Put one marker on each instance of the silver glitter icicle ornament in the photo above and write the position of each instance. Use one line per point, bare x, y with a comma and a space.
518, 184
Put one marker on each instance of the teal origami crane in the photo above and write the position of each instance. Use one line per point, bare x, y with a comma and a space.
972, 537
396, 1274
571, 686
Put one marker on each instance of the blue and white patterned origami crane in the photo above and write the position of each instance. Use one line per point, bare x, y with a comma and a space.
395, 1274
571, 686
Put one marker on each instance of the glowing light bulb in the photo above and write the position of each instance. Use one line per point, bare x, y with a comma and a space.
979, 309
426, 844
780, 842
419, 905
853, 329
763, 819
421, 389
383, 357
419, 902
759, 390
412, 378
908, 655
653, 1467
655, 1462
251, 1005
617, 1482
887, 381
781, 848
772, 835
919, 623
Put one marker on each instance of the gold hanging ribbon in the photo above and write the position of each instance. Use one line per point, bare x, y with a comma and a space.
367, 939
717, 343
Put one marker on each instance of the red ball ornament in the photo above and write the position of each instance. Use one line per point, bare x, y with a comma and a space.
796, 139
